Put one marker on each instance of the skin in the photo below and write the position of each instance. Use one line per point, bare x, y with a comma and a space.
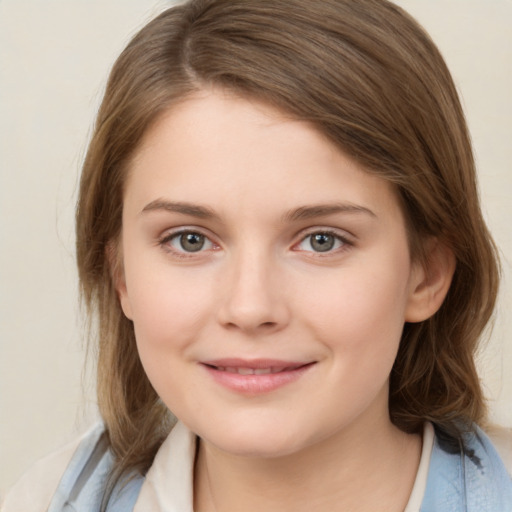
257, 185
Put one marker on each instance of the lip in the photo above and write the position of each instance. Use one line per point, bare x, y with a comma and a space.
256, 376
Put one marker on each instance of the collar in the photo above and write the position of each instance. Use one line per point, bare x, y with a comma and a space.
168, 485
465, 477
169, 482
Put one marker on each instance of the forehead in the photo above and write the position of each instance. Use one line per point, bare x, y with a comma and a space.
226, 151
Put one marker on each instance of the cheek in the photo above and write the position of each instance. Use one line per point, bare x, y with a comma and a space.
169, 306
360, 312
168, 315
360, 324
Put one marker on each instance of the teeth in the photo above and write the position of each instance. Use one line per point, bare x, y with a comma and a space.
251, 371
246, 371
262, 371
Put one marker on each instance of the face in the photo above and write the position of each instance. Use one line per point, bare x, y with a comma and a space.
267, 275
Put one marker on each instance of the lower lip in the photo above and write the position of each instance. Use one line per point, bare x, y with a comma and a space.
256, 384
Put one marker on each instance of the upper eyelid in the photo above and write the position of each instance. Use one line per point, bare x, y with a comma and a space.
347, 239
342, 234
338, 232
172, 232
164, 242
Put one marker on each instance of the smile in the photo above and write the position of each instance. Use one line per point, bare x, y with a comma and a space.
253, 371
255, 377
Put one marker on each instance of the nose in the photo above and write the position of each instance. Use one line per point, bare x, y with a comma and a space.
254, 298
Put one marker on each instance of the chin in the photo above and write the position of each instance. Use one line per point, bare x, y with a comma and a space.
257, 441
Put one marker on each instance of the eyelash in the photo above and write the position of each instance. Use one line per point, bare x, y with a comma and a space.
343, 241
165, 242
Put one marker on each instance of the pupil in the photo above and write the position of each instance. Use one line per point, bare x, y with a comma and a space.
322, 242
192, 242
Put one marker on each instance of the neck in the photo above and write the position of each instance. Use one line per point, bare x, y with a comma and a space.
361, 469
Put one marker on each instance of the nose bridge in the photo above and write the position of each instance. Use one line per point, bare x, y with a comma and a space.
253, 299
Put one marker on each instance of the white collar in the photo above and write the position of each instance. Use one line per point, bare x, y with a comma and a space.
168, 486
169, 483
420, 483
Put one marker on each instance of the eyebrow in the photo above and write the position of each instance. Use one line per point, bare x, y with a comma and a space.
322, 210
297, 214
201, 212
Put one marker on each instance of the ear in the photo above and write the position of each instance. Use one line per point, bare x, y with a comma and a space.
430, 281
115, 262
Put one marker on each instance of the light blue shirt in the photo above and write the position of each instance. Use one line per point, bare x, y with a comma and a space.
469, 479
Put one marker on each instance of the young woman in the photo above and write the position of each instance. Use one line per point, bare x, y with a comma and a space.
279, 235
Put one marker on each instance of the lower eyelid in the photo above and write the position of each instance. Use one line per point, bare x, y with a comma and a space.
166, 240
343, 240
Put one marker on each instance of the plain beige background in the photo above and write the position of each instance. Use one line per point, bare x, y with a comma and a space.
54, 58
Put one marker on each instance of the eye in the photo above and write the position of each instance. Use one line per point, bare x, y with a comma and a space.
187, 242
322, 241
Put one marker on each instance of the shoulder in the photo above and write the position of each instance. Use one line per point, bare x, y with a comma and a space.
501, 438
467, 475
73, 478
35, 489
488, 483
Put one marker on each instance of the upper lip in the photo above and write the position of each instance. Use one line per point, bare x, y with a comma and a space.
256, 364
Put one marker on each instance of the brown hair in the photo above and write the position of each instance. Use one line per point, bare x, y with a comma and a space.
370, 79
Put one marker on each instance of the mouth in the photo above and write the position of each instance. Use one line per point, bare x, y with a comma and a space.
242, 370
255, 376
